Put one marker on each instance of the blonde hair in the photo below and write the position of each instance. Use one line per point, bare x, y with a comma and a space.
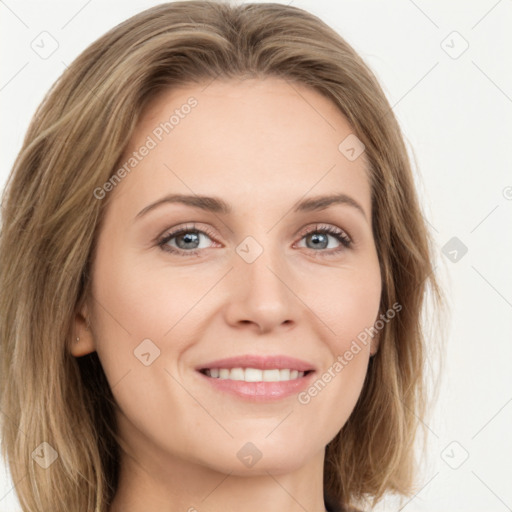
51, 219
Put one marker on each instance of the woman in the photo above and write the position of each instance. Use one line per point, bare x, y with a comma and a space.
254, 369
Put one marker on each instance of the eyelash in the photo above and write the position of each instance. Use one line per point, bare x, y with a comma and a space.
340, 235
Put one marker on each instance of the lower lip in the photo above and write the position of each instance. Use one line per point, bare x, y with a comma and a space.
260, 391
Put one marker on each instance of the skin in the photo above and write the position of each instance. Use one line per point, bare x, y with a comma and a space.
260, 145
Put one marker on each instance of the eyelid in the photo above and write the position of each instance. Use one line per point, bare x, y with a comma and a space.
342, 235
190, 226
320, 226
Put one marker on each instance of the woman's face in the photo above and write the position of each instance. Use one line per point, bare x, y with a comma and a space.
251, 274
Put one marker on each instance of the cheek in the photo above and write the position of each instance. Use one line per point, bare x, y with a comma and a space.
141, 309
140, 318
348, 305
142, 297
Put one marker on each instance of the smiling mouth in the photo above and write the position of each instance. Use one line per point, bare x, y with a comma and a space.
254, 374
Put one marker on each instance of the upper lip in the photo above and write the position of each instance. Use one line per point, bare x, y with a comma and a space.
280, 362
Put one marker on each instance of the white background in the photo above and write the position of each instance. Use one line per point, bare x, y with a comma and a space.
456, 114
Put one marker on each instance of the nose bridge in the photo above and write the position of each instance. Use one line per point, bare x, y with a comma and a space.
262, 282
262, 261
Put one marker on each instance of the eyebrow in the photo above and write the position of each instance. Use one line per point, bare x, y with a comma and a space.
217, 205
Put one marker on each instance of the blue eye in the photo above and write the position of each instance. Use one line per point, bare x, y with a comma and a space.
188, 237
319, 236
187, 240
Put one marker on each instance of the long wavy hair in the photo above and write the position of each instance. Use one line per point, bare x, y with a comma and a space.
51, 219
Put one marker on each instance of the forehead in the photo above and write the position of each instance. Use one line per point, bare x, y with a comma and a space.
256, 140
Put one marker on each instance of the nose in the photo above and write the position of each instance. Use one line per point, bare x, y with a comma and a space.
261, 294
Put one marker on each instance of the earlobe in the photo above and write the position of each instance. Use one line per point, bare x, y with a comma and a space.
374, 346
82, 342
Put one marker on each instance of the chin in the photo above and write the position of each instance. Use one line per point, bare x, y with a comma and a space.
243, 458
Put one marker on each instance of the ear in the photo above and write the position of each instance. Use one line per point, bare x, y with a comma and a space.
82, 331
374, 345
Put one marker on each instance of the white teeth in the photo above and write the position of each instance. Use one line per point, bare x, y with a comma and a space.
237, 374
224, 374
284, 374
271, 376
254, 374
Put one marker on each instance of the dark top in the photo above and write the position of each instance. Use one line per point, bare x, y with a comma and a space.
331, 505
